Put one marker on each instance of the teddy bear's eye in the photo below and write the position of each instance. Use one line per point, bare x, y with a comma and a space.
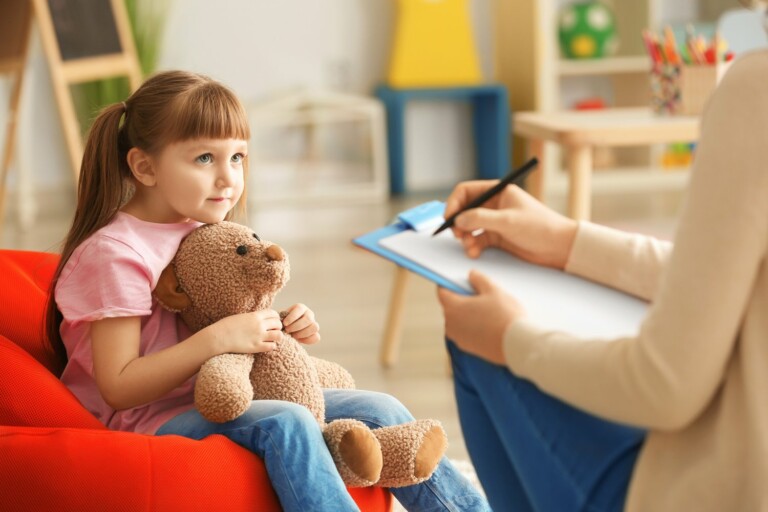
256, 237
242, 250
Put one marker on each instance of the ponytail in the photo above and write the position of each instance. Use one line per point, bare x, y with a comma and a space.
102, 186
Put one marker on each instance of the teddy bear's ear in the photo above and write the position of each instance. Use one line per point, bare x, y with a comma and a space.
169, 293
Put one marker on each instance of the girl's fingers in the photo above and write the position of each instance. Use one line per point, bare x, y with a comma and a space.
309, 340
272, 324
300, 324
271, 336
294, 313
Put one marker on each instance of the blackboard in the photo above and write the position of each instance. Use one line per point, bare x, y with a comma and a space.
84, 28
14, 21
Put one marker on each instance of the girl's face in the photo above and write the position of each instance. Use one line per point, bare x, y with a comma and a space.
200, 179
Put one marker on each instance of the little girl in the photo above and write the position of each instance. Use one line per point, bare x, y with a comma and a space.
169, 158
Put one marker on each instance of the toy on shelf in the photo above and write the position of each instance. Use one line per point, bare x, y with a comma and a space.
587, 30
677, 156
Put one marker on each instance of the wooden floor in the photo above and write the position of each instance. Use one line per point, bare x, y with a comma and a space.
349, 288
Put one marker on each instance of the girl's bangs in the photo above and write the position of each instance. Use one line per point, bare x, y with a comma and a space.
208, 112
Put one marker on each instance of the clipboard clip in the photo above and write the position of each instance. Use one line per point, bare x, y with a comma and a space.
423, 217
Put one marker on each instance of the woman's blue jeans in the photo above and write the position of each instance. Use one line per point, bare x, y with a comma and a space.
287, 437
533, 452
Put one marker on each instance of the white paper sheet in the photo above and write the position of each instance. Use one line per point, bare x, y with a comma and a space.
553, 299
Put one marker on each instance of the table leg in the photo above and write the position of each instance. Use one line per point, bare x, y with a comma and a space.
580, 187
390, 343
536, 182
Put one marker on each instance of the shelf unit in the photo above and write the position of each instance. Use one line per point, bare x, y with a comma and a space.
539, 79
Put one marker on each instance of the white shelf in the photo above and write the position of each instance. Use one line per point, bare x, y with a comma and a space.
605, 66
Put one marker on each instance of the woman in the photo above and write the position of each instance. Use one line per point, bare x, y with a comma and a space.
674, 418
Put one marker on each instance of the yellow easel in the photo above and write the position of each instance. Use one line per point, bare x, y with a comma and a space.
434, 48
433, 45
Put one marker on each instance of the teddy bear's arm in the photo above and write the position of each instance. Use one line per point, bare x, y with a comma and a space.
332, 375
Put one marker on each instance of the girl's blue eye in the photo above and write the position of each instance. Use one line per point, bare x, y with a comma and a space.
205, 159
238, 157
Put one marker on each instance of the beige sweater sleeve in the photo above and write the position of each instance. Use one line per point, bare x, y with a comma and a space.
665, 376
625, 261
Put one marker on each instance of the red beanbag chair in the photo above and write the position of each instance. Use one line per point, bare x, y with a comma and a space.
54, 455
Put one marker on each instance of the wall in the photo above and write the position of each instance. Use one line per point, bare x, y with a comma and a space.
264, 47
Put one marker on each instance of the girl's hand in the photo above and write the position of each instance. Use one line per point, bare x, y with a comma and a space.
514, 221
477, 323
248, 333
299, 321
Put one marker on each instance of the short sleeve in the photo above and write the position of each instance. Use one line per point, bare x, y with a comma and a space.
105, 278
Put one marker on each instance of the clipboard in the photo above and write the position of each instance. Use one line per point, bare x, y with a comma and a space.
419, 217
552, 298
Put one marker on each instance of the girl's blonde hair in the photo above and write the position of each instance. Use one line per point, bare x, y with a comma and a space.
169, 107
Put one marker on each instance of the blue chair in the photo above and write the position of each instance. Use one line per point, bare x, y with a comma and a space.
490, 120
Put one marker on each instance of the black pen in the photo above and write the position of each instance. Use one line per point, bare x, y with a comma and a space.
515, 176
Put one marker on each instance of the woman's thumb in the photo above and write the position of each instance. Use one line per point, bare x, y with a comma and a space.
482, 218
480, 282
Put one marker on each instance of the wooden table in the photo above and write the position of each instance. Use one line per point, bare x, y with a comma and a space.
578, 132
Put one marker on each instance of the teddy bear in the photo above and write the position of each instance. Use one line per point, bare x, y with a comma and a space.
225, 269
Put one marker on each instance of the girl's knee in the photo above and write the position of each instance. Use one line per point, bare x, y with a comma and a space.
385, 410
281, 414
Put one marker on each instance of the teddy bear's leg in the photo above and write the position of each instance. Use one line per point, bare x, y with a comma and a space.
223, 389
411, 452
332, 375
288, 374
355, 450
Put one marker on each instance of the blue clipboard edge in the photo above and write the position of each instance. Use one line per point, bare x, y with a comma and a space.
370, 241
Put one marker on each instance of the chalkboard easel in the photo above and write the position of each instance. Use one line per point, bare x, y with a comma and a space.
84, 40
14, 43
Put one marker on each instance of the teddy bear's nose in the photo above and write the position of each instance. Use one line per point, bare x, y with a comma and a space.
275, 253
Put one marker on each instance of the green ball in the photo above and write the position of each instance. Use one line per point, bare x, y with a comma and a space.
587, 30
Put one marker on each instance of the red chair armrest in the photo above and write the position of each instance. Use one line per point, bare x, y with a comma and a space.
30, 395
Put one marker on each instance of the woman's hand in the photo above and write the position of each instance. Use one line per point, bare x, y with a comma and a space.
477, 323
513, 221
247, 333
299, 321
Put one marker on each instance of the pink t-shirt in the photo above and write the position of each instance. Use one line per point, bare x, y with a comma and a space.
112, 274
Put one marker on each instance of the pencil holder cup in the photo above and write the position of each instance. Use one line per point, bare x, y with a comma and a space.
665, 89
684, 89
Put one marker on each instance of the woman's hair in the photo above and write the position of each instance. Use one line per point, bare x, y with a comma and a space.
169, 107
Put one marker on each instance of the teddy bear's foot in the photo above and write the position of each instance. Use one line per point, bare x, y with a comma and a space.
411, 452
355, 450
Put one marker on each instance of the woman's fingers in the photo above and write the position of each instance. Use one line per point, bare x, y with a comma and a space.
487, 219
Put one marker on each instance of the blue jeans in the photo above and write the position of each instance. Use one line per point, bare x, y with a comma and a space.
288, 439
533, 452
